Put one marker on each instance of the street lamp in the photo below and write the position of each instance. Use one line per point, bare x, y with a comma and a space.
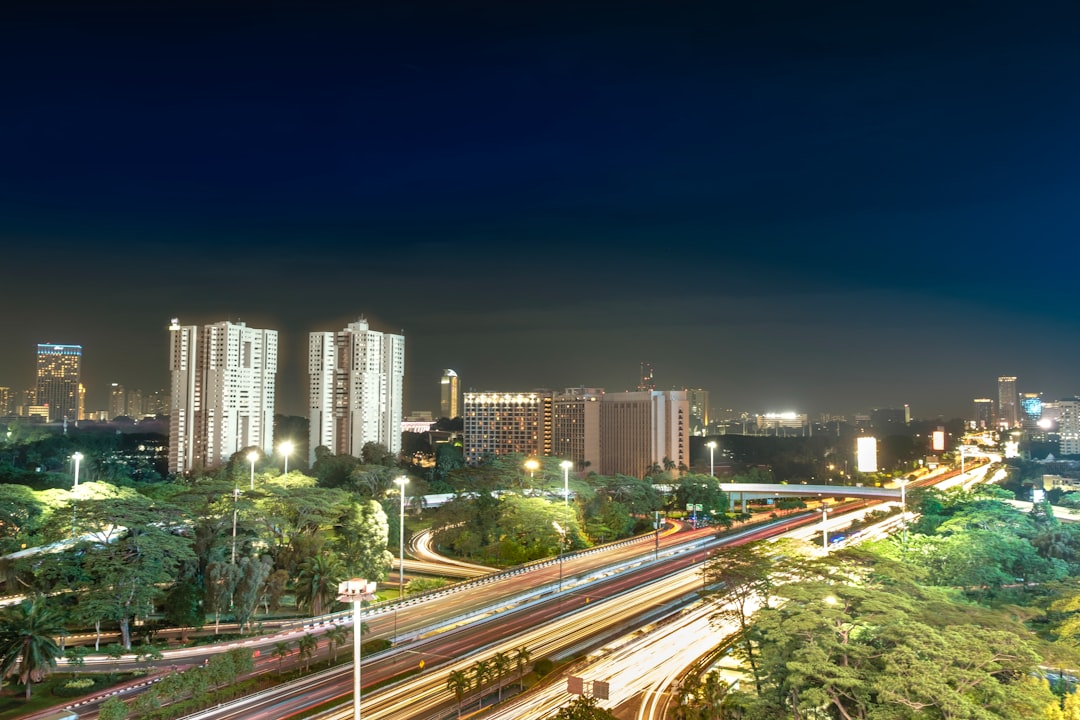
401, 482
531, 465
824, 528
356, 591
235, 499
903, 510
286, 449
252, 457
566, 465
712, 447
77, 457
562, 541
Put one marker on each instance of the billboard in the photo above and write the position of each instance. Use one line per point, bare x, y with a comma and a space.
938, 443
866, 454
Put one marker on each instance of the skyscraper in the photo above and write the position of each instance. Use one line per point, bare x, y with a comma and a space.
647, 383
355, 389
1007, 402
699, 411
984, 413
117, 401
449, 395
1069, 426
223, 392
58, 368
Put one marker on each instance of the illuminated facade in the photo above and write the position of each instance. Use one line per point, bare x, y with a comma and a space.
7, 401
449, 395
1008, 416
58, 368
1031, 410
117, 401
780, 421
498, 423
575, 426
223, 393
1069, 425
984, 413
699, 411
355, 380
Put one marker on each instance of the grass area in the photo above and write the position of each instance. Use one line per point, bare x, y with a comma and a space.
54, 693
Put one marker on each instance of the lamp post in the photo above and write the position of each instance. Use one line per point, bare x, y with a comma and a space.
824, 528
712, 447
252, 457
77, 457
562, 541
286, 449
356, 591
235, 499
903, 511
401, 483
566, 465
531, 465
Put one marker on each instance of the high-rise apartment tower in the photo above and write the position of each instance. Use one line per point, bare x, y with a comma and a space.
1008, 415
356, 377
58, 368
449, 395
223, 392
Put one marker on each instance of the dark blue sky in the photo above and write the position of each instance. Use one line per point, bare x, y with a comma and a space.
827, 207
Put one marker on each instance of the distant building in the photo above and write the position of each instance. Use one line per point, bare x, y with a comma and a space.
887, 419
1031, 407
157, 403
222, 392
117, 401
778, 422
449, 395
575, 427
983, 413
642, 429
7, 401
647, 383
355, 385
1008, 416
699, 411
135, 407
1069, 425
501, 423
58, 370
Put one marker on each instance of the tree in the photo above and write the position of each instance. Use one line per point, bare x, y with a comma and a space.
27, 647
281, 651
307, 645
251, 578
113, 709
459, 684
500, 665
522, 656
481, 674
362, 532
335, 637
317, 584
583, 708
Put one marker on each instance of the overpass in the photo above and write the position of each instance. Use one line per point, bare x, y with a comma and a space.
742, 492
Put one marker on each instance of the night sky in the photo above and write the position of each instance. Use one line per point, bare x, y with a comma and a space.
826, 207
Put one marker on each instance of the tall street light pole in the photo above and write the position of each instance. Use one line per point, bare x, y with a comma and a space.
286, 449
77, 457
252, 457
356, 591
235, 499
824, 528
566, 465
712, 447
401, 483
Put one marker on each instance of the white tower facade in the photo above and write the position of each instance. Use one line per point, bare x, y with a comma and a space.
356, 377
223, 393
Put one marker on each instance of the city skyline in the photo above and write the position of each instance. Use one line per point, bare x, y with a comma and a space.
824, 209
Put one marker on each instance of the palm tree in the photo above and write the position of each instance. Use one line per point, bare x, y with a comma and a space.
27, 647
307, 646
335, 637
281, 651
522, 656
500, 664
481, 673
458, 683
317, 583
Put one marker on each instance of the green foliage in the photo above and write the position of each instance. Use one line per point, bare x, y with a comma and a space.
543, 666
583, 708
113, 709
27, 647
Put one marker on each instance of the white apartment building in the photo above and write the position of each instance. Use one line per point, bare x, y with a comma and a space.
1069, 425
355, 389
223, 392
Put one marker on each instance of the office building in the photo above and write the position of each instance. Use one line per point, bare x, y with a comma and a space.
1008, 415
1069, 425
222, 390
699, 411
449, 395
575, 427
7, 401
1031, 408
640, 430
58, 369
646, 383
501, 423
355, 380
983, 414
117, 401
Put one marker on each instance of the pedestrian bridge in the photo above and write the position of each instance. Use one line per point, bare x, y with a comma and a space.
755, 491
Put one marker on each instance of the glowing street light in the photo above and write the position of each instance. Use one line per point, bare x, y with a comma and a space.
252, 457
286, 449
356, 591
77, 457
712, 447
401, 483
531, 465
824, 528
